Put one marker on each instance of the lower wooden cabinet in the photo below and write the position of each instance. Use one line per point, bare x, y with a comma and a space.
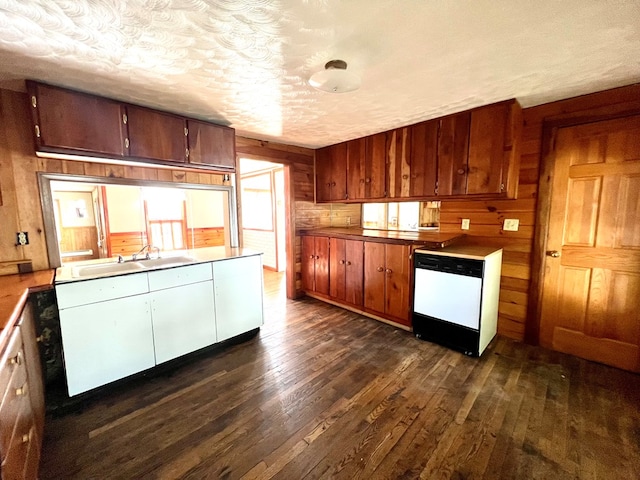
346, 270
387, 270
22, 407
315, 264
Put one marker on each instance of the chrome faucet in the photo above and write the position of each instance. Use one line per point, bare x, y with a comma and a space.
147, 256
120, 259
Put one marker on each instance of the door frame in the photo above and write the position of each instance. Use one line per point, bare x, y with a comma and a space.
550, 127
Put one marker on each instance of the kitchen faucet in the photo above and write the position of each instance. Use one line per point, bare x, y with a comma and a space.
148, 248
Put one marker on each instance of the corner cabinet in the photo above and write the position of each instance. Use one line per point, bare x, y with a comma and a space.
331, 173
68, 122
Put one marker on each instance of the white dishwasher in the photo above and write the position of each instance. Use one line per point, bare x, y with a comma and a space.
455, 297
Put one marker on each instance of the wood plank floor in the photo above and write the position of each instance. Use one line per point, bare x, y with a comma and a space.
322, 392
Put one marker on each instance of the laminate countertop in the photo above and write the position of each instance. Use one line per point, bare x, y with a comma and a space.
14, 290
429, 240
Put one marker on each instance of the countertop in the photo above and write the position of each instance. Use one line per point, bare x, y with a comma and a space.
426, 239
14, 290
475, 252
198, 255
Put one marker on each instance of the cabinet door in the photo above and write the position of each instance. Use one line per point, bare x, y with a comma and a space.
487, 149
424, 146
337, 266
35, 379
399, 163
354, 276
339, 172
183, 319
308, 262
106, 342
211, 145
376, 165
356, 169
322, 265
453, 154
323, 174
68, 120
397, 271
238, 295
156, 135
374, 276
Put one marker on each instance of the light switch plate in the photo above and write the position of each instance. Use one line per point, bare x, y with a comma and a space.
511, 224
465, 224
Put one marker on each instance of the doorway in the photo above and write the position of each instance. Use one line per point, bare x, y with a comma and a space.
589, 303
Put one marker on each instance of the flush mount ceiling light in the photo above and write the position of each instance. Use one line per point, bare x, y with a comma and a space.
335, 78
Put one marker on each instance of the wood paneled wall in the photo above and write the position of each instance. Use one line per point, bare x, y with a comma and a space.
20, 209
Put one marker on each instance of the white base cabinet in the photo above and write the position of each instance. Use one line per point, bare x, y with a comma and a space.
236, 283
106, 341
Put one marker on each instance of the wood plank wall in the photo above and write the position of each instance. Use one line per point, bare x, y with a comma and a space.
487, 216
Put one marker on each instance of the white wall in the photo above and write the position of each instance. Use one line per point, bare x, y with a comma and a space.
125, 208
70, 202
261, 241
205, 208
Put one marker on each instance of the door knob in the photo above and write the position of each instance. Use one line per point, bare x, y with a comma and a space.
553, 253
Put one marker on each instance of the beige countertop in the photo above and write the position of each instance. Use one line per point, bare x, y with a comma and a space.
426, 239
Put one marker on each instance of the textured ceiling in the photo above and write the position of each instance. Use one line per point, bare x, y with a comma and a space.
246, 63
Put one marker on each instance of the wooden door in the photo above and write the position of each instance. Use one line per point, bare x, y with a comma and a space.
156, 135
376, 164
354, 276
323, 174
337, 266
374, 276
591, 289
356, 169
453, 154
339, 172
308, 257
424, 146
322, 265
399, 163
397, 270
487, 149
212, 145
68, 120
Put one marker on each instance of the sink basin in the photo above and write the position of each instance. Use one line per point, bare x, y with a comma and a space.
167, 261
106, 268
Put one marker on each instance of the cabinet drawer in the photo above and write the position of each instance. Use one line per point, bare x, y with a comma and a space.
14, 459
12, 358
174, 277
100, 290
15, 400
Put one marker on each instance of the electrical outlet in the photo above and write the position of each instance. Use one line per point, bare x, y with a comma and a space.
511, 224
22, 238
465, 224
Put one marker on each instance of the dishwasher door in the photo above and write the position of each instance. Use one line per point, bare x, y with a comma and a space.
447, 296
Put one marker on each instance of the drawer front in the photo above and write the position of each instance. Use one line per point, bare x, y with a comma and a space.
174, 277
14, 462
15, 402
12, 358
101, 289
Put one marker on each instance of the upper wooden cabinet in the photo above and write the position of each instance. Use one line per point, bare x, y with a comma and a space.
331, 173
156, 135
453, 154
75, 123
65, 120
211, 145
366, 167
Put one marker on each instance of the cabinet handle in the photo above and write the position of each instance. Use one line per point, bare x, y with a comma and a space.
37, 131
553, 253
126, 143
26, 437
317, 257
460, 171
124, 118
17, 360
34, 101
22, 391
333, 184
329, 184
380, 269
186, 152
40, 338
341, 262
389, 271
186, 131
367, 180
405, 176
312, 256
348, 263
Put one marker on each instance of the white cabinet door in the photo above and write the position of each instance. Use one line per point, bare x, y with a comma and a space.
238, 287
106, 341
183, 320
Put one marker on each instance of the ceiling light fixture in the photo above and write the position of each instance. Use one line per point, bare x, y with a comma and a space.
335, 78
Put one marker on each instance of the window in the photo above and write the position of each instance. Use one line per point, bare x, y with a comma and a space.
166, 218
257, 210
407, 216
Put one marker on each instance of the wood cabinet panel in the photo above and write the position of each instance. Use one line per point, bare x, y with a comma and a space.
375, 166
337, 279
397, 271
331, 173
315, 264
211, 145
156, 135
345, 270
453, 154
374, 276
308, 270
399, 163
356, 169
66, 120
423, 159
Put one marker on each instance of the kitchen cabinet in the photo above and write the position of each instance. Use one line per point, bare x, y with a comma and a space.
376, 166
235, 282
156, 135
346, 270
315, 264
182, 310
331, 173
453, 154
211, 145
22, 406
387, 269
65, 121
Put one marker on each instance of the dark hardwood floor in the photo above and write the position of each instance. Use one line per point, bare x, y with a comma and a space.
322, 392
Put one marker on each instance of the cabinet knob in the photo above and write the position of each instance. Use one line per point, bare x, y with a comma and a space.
17, 360
312, 256
317, 257
341, 262
460, 171
553, 253
380, 269
329, 184
361, 181
333, 184
389, 271
405, 176
22, 391
40, 338
367, 180
348, 263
